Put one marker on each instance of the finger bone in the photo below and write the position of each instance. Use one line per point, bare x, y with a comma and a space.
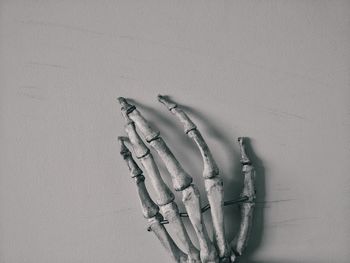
213, 183
149, 209
165, 198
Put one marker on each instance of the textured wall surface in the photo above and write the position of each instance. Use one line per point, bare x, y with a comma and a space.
275, 71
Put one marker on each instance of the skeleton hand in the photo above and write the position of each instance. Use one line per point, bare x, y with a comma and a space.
164, 209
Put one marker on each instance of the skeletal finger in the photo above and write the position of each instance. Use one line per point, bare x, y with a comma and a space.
180, 178
247, 208
211, 169
164, 194
213, 183
149, 209
191, 200
165, 198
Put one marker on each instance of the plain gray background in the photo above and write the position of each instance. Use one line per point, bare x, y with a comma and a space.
275, 71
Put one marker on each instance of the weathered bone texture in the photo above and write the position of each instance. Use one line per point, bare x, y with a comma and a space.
247, 208
180, 178
164, 194
149, 209
213, 183
191, 200
182, 181
165, 198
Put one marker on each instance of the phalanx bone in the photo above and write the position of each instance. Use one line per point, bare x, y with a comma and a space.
165, 211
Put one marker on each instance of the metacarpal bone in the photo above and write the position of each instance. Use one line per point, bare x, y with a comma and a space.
158, 229
191, 200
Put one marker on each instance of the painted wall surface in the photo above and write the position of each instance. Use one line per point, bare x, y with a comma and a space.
275, 71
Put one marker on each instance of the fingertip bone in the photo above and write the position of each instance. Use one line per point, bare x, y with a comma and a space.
124, 151
244, 157
167, 102
126, 107
134, 169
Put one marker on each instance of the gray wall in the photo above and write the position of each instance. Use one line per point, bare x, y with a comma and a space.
275, 71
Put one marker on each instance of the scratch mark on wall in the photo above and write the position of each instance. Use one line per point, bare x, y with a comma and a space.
46, 65
31, 96
283, 114
63, 26
291, 221
156, 43
111, 213
30, 92
275, 201
29, 87
126, 77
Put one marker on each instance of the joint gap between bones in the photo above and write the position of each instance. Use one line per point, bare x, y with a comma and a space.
192, 129
207, 207
144, 155
173, 107
154, 138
